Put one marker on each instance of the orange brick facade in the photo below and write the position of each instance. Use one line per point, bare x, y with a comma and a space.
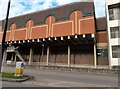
75, 26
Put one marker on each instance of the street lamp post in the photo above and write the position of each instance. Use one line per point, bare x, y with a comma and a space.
5, 28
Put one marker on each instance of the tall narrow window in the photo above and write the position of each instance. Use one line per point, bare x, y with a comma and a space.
116, 13
111, 15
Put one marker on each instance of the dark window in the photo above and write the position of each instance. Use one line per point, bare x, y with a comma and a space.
116, 51
115, 32
114, 13
102, 52
111, 15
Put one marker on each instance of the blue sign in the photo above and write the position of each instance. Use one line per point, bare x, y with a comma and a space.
22, 64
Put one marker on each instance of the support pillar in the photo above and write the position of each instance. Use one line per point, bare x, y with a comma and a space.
15, 59
31, 56
95, 56
12, 57
4, 56
42, 49
48, 53
68, 55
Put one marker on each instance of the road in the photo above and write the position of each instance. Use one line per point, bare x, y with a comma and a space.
47, 78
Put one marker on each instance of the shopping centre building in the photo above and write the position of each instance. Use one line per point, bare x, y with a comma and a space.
64, 35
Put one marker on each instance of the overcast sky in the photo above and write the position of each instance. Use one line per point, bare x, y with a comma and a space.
20, 7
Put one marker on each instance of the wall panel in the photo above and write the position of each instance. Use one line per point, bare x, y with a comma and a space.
86, 26
65, 28
101, 37
8, 35
39, 32
20, 34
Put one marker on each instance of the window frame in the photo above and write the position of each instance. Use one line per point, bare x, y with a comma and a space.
115, 32
114, 13
116, 51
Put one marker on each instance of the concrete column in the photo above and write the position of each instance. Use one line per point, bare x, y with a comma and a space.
68, 55
95, 56
48, 53
12, 58
4, 56
42, 49
15, 59
31, 56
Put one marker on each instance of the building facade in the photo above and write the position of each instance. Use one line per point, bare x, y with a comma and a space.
113, 20
68, 34
102, 41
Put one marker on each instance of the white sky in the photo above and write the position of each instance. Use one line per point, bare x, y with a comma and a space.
27, 6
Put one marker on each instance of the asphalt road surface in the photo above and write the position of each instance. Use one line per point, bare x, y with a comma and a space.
47, 78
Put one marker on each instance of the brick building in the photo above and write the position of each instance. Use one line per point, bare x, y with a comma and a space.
68, 34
